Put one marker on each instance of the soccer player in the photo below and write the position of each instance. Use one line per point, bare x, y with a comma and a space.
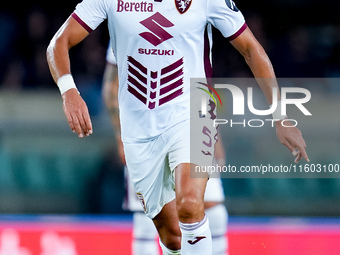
144, 232
159, 46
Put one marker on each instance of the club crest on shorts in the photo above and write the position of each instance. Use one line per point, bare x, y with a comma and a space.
182, 5
141, 200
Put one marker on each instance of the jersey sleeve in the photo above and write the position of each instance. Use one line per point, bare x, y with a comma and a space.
226, 17
91, 13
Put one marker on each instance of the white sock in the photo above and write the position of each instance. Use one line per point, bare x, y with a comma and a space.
167, 251
144, 235
196, 238
218, 220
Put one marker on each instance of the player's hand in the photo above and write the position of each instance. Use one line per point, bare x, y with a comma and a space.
291, 137
76, 112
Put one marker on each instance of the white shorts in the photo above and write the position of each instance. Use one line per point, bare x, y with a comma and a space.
131, 201
213, 193
151, 164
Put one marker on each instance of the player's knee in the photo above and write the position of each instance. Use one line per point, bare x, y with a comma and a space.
189, 206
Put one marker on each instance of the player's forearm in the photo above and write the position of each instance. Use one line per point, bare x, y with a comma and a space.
70, 34
263, 71
58, 58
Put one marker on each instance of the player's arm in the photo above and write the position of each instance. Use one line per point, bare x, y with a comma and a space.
110, 95
257, 60
70, 34
261, 67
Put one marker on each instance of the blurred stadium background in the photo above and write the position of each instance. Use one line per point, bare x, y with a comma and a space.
45, 169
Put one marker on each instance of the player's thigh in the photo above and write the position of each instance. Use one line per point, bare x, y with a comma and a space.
153, 183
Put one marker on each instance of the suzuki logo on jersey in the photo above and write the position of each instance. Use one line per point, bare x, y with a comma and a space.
155, 24
182, 5
156, 52
155, 87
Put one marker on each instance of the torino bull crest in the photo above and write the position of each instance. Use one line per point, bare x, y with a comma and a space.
182, 5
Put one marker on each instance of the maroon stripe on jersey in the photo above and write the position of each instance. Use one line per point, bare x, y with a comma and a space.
172, 66
82, 23
153, 95
207, 64
152, 105
137, 84
153, 85
137, 74
171, 96
136, 94
154, 75
172, 76
138, 65
171, 86
234, 36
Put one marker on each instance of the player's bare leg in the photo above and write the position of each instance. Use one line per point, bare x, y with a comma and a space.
167, 226
189, 195
194, 224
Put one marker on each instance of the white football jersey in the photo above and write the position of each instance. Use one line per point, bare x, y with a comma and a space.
110, 57
159, 45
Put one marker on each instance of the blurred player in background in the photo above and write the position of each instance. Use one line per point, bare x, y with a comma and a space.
144, 231
161, 45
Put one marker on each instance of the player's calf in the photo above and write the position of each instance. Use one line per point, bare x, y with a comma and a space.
166, 223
